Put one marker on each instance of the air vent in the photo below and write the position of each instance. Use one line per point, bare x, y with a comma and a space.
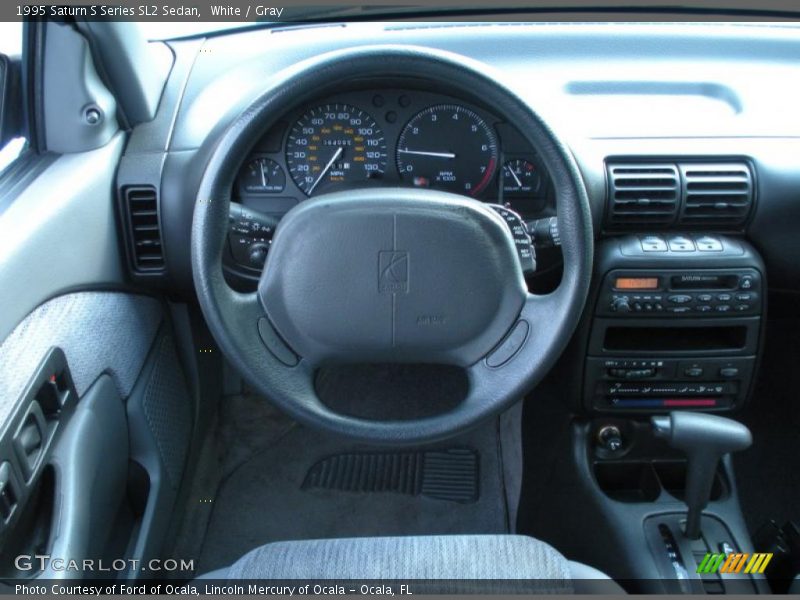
643, 193
716, 194
142, 206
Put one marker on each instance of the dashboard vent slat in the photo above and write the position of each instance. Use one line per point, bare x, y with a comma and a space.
643, 193
720, 194
141, 204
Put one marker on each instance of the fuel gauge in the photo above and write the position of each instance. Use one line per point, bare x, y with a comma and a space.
262, 176
520, 178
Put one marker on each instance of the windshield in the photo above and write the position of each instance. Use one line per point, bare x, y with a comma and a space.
167, 31
769, 12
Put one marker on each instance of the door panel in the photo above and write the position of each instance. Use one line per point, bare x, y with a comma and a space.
96, 418
60, 234
99, 332
92, 454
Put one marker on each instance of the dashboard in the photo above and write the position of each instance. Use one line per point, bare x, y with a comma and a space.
394, 136
667, 96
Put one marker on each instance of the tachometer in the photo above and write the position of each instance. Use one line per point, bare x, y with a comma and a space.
335, 144
448, 147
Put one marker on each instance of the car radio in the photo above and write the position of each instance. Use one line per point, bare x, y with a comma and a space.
681, 293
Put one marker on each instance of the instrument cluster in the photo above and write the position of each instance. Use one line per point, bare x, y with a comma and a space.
393, 137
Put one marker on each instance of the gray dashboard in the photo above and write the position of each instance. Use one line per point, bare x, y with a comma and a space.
611, 90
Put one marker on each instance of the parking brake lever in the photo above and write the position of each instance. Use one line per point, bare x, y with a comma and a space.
704, 439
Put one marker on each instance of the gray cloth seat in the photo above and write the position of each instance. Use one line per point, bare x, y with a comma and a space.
453, 563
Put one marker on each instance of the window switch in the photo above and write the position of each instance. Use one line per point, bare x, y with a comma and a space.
29, 441
48, 396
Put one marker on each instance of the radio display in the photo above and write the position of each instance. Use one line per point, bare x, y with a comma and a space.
636, 283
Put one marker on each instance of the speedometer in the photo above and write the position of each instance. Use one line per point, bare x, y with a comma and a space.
448, 147
332, 145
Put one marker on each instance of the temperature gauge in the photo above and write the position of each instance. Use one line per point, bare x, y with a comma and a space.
262, 176
520, 178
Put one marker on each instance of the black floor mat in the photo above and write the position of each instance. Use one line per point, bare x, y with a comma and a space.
272, 487
449, 474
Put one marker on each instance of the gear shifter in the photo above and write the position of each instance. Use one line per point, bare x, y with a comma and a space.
705, 439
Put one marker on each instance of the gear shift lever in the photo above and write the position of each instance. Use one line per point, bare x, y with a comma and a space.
704, 439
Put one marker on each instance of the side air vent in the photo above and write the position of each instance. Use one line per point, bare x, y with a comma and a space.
643, 193
716, 194
142, 206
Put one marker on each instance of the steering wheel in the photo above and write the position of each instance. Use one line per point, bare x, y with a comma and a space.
388, 274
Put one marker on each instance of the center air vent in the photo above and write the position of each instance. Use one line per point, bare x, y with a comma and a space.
716, 194
146, 250
643, 193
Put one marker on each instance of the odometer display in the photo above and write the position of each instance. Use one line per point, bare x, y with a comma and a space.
332, 145
448, 147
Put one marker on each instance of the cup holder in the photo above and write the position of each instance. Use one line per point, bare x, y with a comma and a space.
646, 481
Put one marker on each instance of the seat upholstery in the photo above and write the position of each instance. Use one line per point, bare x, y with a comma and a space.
458, 563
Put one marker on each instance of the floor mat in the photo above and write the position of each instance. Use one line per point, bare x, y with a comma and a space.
449, 474
269, 486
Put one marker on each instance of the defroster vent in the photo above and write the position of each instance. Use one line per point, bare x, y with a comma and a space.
145, 230
643, 194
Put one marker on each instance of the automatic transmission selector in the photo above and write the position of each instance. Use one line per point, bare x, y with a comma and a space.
705, 439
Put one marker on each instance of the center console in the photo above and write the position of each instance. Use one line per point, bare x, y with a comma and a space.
672, 329
676, 324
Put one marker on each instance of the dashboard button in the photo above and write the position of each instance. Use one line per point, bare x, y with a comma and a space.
723, 308
694, 371
653, 243
679, 298
679, 309
746, 282
703, 308
728, 372
681, 243
705, 298
724, 297
744, 297
742, 307
708, 244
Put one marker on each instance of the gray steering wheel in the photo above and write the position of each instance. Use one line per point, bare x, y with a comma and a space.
389, 274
